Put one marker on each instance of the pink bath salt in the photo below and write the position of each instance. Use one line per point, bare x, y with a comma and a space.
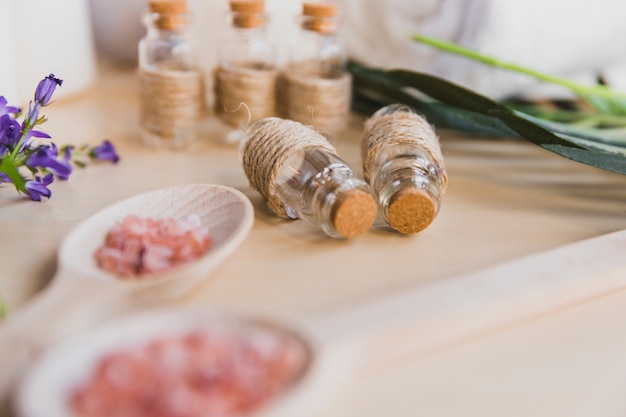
138, 246
191, 375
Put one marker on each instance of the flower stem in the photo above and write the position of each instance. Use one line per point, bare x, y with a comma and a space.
17, 149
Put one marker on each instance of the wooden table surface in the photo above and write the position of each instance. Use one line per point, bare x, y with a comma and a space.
506, 199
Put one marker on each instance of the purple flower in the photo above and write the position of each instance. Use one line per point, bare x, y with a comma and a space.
19, 154
10, 132
105, 152
46, 88
38, 187
32, 116
45, 156
5, 108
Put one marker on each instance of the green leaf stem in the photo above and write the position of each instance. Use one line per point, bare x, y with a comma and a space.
598, 96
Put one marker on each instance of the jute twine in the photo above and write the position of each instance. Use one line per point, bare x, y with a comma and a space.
254, 87
269, 144
170, 100
321, 102
396, 128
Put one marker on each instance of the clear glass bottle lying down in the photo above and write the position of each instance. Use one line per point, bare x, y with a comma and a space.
406, 172
320, 187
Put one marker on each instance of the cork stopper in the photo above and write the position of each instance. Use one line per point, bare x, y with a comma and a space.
320, 9
172, 13
411, 210
320, 17
353, 213
248, 13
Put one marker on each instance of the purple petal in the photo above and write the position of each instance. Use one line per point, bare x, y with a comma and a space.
46, 88
10, 131
38, 187
33, 114
38, 134
46, 157
105, 152
5, 108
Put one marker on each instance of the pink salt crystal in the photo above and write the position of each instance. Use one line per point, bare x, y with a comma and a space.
197, 374
138, 246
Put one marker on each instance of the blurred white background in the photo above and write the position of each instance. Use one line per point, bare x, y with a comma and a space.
42, 37
66, 37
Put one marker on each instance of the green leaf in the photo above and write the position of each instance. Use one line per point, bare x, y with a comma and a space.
613, 137
8, 166
374, 89
465, 107
455, 95
600, 97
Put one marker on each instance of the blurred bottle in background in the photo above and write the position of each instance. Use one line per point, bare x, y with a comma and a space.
245, 76
170, 80
315, 88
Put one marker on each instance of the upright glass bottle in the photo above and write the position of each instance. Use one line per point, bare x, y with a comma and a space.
316, 89
171, 82
403, 163
245, 77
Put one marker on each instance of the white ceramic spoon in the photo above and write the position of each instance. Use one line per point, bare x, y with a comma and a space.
82, 293
353, 342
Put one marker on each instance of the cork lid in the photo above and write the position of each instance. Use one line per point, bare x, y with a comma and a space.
411, 210
320, 9
172, 12
320, 17
247, 6
248, 13
168, 6
353, 213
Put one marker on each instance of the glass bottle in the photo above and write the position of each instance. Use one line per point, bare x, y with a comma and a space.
406, 174
296, 169
320, 187
171, 82
316, 88
245, 77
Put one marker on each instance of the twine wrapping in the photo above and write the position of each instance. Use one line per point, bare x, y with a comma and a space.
396, 128
254, 87
322, 102
170, 100
269, 144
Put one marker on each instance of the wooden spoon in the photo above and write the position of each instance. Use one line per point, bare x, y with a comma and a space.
355, 341
82, 293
